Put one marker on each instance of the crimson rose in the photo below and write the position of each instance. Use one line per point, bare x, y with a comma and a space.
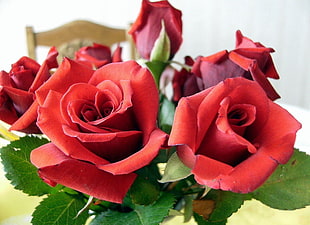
147, 27
17, 91
184, 82
249, 60
232, 135
102, 127
97, 55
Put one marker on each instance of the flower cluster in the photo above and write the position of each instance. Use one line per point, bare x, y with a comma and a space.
115, 137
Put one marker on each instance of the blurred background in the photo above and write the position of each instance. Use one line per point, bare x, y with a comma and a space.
208, 27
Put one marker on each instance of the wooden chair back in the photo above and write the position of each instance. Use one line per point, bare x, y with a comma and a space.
85, 32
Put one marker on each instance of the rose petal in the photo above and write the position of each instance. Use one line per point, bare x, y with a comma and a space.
44, 71
139, 159
214, 168
20, 99
82, 94
278, 141
245, 177
186, 155
27, 122
113, 146
48, 114
5, 79
79, 175
181, 125
260, 78
68, 73
145, 97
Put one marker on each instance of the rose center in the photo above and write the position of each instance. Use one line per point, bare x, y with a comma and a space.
89, 113
237, 117
240, 116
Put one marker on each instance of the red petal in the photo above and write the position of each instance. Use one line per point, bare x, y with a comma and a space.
27, 122
51, 123
207, 169
68, 73
141, 158
21, 99
145, 97
79, 175
260, 78
277, 138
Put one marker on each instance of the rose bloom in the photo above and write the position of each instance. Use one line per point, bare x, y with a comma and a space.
185, 82
250, 60
17, 89
232, 135
146, 29
102, 127
97, 55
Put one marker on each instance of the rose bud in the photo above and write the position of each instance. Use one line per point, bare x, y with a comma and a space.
17, 100
185, 82
147, 27
97, 55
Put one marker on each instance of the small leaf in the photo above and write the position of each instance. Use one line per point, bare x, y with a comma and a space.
288, 187
188, 208
226, 203
175, 170
143, 191
60, 208
19, 170
141, 215
161, 49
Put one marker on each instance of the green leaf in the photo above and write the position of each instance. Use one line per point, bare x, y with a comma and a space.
166, 114
175, 170
161, 49
143, 191
188, 208
226, 203
289, 186
60, 209
140, 215
201, 221
19, 170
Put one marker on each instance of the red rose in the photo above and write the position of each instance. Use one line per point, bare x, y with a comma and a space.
102, 127
17, 91
147, 27
249, 60
97, 55
232, 135
184, 82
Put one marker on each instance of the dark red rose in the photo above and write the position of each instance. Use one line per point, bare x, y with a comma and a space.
232, 135
249, 60
148, 25
97, 55
17, 91
102, 127
184, 82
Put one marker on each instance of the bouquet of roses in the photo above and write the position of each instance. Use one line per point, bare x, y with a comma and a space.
104, 141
